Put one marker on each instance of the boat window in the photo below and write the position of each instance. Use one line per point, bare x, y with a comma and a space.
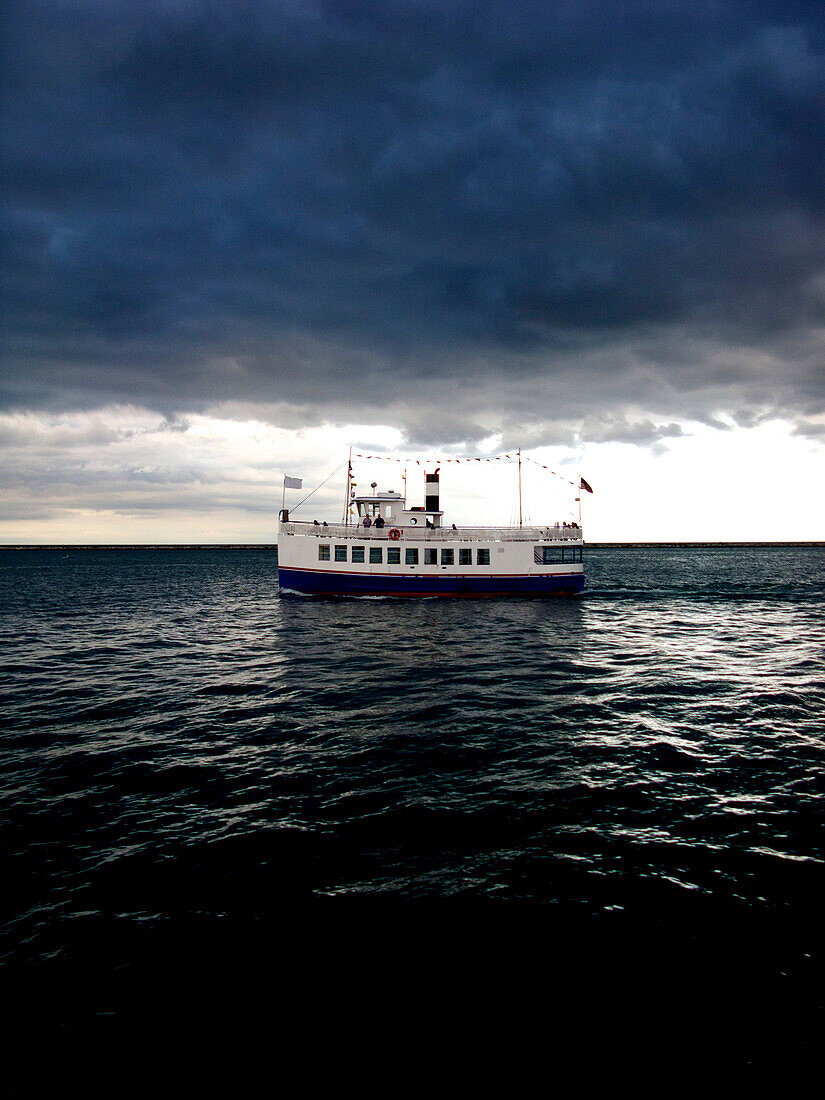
411, 555
323, 552
340, 553
376, 553
465, 557
547, 555
413, 520
482, 557
430, 556
446, 557
393, 555
358, 553
572, 553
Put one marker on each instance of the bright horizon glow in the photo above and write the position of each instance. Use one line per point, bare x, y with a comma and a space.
125, 475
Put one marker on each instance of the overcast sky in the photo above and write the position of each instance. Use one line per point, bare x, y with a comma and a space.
238, 236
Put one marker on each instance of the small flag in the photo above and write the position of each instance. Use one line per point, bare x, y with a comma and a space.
583, 485
293, 482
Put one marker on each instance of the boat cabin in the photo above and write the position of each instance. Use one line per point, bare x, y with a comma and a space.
392, 507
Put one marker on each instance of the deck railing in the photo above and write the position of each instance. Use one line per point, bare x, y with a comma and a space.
435, 534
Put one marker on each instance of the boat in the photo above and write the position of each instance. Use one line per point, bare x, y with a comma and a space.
385, 548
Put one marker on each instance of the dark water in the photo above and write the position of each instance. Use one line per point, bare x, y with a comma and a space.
193, 766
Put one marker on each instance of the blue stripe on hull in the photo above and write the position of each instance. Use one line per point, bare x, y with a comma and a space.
350, 584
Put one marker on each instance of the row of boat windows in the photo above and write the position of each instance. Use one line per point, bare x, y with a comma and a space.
556, 555
542, 555
465, 557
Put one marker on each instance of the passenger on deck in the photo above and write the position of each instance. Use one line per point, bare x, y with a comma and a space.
379, 522
367, 522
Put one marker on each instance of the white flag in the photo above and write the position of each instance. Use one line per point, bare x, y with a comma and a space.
293, 482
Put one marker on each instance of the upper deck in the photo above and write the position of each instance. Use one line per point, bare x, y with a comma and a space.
422, 533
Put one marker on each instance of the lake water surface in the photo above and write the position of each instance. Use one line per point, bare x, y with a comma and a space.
184, 749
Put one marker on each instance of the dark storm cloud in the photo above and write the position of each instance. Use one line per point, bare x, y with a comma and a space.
458, 215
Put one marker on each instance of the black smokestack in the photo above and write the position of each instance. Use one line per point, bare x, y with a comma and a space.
431, 492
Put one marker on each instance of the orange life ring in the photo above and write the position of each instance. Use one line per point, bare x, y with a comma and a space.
394, 534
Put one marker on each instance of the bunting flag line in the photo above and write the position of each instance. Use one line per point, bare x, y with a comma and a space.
580, 484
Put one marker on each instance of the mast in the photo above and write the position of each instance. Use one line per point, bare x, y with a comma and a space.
519, 486
346, 491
